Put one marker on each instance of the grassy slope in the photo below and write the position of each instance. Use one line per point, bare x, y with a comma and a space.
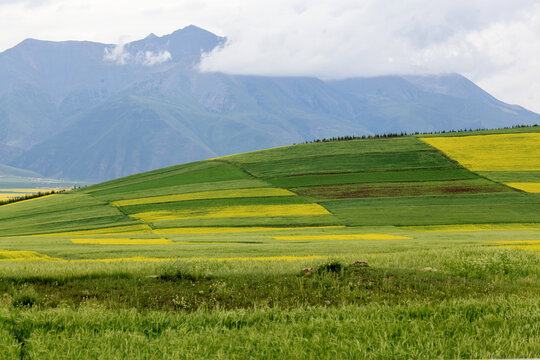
407, 183
436, 295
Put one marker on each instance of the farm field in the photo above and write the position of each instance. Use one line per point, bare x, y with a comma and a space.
13, 193
407, 247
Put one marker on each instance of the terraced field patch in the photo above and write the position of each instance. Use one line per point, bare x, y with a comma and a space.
475, 227
122, 241
240, 211
295, 181
400, 189
205, 195
498, 152
343, 237
439, 210
526, 186
408, 160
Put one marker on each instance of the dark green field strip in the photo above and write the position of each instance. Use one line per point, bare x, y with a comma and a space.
462, 209
373, 177
87, 212
202, 204
311, 220
335, 147
50, 205
512, 176
153, 174
183, 189
84, 223
350, 163
203, 172
418, 188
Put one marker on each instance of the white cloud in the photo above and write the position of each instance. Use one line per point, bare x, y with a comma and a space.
150, 58
120, 55
117, 55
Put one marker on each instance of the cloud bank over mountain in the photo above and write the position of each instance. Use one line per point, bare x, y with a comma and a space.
493, 42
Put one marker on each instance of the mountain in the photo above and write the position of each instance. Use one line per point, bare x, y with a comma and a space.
90, 111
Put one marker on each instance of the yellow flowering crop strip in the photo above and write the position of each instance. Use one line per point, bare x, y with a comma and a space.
528, 247
28, 191
220, 230
239, 211
204, 195
529, 242
256, 258
473, 227
343, 237
23, 255
7, 255
497, 152
123, 241
526, 186
9, 196
36, 198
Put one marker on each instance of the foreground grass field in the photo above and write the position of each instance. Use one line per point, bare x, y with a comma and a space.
378, 248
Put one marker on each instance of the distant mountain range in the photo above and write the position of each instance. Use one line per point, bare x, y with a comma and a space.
91, 111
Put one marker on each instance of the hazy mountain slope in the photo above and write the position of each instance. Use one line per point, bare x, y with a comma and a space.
430, 103
11, 171
84, 110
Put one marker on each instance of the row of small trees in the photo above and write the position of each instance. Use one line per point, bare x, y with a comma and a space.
403, 133
29, 196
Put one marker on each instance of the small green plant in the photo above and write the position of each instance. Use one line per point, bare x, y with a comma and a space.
331, 267
25, 298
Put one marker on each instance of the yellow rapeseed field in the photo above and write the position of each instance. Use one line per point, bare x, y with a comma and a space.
124, 241
9, 196
219, 230
532, 247
28, 191
18, 202
473, 227
515, 242
203, 195
343, 237
8, 255
259, 258
526, 186
497, 152
23, 255
239, 211
246, 258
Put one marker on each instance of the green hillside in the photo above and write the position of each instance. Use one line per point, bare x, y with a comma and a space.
376, 182
420, 246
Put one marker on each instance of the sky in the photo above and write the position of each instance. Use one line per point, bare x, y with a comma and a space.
492, 42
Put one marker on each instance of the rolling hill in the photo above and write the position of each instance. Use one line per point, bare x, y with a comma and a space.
401, 182
91, 111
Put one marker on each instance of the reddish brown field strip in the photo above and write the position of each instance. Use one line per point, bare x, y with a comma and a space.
419, 188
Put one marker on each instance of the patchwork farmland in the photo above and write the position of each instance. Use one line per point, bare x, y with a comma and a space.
288, 252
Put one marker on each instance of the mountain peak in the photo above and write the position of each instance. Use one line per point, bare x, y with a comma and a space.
151, 36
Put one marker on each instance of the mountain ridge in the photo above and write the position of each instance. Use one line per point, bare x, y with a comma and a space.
90, 111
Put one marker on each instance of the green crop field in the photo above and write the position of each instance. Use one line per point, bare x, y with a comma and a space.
389, 248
